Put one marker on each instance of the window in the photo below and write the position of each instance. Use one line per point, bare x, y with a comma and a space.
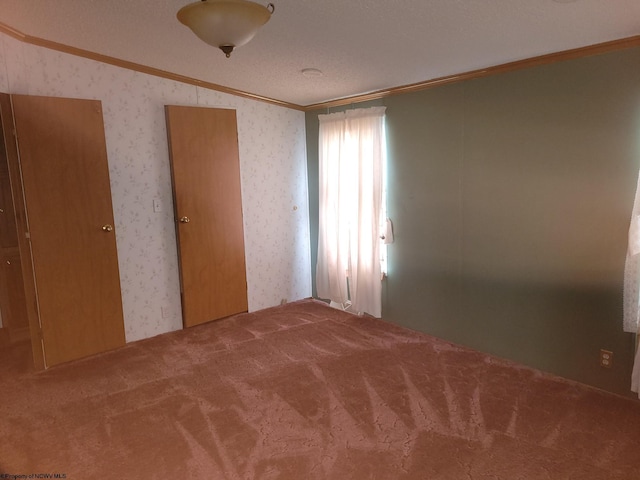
352, 208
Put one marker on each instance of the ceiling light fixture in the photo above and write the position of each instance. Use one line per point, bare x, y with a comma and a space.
225, 24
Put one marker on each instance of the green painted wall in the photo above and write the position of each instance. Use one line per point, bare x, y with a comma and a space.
511, 198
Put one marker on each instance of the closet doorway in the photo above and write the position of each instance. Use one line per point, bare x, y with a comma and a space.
13, 304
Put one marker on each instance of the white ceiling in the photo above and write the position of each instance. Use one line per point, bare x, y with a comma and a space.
360, 45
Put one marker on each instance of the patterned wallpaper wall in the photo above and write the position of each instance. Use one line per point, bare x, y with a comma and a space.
272, 165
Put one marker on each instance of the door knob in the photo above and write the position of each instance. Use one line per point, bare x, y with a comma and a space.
184, 220
107, 228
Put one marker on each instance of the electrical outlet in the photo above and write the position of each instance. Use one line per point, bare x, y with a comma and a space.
606, 358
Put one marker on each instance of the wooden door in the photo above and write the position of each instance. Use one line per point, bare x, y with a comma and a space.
15, 201
67, 193
203, 144
12, 297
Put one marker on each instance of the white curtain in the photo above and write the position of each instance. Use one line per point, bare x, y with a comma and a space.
631, 287
351, 151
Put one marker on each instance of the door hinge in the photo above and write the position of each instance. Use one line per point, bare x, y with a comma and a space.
27, 235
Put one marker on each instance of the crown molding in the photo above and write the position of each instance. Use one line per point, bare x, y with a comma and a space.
12, 32
590, 50
546, 59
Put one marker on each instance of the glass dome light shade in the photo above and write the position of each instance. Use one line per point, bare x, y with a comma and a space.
224, 23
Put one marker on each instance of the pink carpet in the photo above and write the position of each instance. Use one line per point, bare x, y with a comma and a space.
303, 391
